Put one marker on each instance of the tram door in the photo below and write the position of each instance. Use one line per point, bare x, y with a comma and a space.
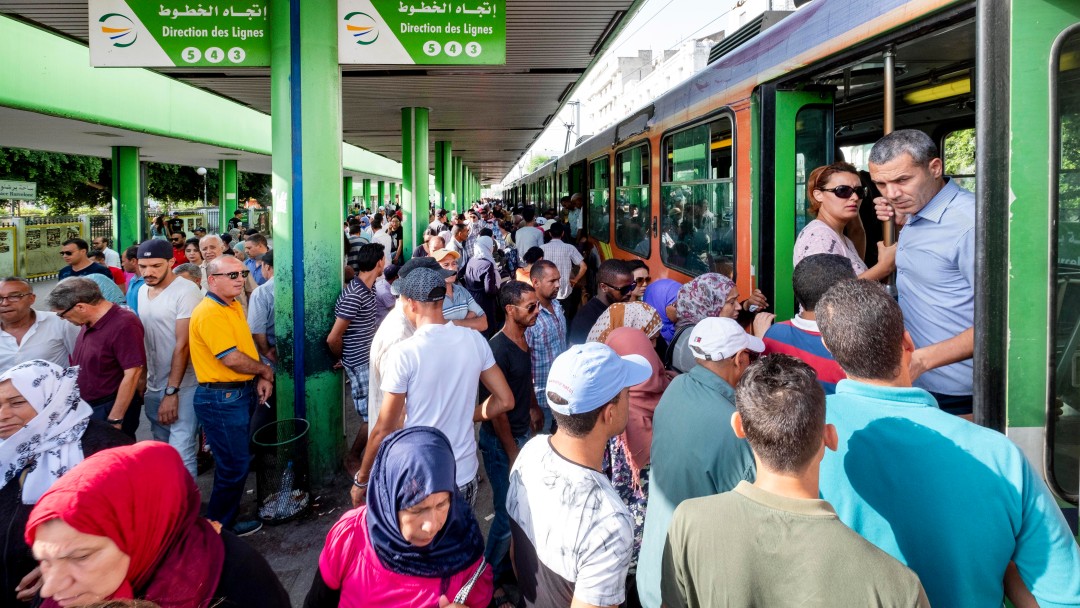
796, 136
578, 185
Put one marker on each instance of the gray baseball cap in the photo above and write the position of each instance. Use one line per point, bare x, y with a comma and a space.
422, 285
414, 264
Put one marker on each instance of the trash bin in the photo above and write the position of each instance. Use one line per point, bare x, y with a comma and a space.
281, 470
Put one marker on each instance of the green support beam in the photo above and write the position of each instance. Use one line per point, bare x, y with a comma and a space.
346, 193
444, 181
393, 193
367, 192
228, 186
127, 197
381, 189
459, 190
414, 172
305, 85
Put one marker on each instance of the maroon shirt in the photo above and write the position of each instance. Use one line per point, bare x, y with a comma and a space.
105, 350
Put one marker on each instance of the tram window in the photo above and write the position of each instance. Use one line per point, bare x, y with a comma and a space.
599, 199
960, 158
1064, 436
564, 184
632, 200
698, 216
813, 148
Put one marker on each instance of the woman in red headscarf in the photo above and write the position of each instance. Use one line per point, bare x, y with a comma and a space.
125, 523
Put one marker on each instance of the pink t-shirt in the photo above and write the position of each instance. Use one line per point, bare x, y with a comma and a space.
348, 563
818, 237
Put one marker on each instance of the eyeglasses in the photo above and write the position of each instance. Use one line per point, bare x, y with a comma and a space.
67, 253
67, 310
846, 191
232, 276
531, 308
15, 297
624, 290
642, 280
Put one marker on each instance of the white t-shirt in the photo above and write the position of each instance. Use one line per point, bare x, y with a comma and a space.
573, 535
159, 317
112, 258
383, 238
442, 392
393, 329
528, 237
50, 338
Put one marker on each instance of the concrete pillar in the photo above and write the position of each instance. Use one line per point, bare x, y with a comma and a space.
381, 189
346, 194
128, 206
367, 192
444, 179
228, 186
305, 83
414, 172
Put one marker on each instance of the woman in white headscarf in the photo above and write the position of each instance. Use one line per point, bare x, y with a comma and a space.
45, 430
482, 280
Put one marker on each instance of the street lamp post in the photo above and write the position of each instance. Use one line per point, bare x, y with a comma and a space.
202, 171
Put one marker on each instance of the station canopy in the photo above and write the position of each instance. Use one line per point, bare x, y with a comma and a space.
491, 114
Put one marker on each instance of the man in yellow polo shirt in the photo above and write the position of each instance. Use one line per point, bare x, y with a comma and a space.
232, 382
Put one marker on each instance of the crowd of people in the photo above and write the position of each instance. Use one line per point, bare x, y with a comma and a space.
646, 442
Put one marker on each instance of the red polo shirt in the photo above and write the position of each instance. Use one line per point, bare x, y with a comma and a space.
105, 350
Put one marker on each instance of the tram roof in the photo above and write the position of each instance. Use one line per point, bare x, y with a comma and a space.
491, 114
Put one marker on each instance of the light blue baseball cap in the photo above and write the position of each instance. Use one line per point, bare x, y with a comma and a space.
589, 376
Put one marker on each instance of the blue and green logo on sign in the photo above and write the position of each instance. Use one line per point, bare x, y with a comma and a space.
120, 29
364, 29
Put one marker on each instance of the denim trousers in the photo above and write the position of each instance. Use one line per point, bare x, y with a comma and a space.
225, 416
183, 434
101, 411
497, 465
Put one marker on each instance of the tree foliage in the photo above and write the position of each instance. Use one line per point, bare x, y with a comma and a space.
64, 181
536, 162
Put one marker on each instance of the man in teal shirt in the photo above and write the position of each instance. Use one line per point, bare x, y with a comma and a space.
695, 452
953, 501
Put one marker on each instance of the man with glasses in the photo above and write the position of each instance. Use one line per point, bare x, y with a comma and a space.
232, 383
615, 283
695, 452
27, 334
75, 253
505, 434
109, 351
112, 257
179, 243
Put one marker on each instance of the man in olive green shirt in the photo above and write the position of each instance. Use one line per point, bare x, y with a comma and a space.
774, 542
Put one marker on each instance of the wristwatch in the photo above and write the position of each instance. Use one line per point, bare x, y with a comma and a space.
171, 390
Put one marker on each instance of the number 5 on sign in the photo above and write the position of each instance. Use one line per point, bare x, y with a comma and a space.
432, 48
191, 54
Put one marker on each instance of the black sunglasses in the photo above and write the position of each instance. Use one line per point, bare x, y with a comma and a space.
530, 308
846, 191
232, 276
624, 290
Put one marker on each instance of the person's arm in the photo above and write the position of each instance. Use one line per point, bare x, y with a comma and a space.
501, 399
473, 321
169, 409
336, 338
243, 364
262, 343
957, 348
125, 393
1016, 590
320, 595
391, 418
501, 425
885, 265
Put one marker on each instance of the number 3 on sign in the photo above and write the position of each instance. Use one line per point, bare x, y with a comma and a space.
237, 54
473, 49
432, 48
191, 54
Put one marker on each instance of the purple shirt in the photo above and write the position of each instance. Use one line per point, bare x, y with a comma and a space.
105, 350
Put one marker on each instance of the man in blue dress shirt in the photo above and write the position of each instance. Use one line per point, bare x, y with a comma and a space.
935, 262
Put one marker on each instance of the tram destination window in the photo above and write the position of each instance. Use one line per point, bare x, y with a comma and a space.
632, 200
697, 221
599, 199
1064, 419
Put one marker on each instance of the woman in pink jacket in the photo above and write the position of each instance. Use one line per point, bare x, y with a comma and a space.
415, 543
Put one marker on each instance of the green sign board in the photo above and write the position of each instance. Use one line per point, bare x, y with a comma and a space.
141, 33
422, 32
18, 191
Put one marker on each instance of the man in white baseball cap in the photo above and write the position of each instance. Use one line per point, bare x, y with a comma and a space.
695, 453
572, 534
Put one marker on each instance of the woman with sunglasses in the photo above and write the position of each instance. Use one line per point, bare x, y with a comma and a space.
835, 192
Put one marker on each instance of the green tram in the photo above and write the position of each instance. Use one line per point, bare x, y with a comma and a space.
740, 137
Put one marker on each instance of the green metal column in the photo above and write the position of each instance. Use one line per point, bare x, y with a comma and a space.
305, 83
456, 186
444, 180
393, 193
367, 192
381, 189
414, 172
228, 185
127, 197
346, 193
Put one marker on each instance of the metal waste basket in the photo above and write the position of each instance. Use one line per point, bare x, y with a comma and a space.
281, 470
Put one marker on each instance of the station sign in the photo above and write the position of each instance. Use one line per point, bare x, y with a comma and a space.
171, 33
18, 191
421, 32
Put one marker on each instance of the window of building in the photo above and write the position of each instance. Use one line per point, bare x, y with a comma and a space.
632, 200
600, 199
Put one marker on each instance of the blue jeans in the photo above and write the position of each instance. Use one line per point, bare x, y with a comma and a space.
182, 434
131, 417
497, 466
225, 416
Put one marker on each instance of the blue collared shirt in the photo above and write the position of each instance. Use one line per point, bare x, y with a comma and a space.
935, 278
256, 271
546, 340
953, 501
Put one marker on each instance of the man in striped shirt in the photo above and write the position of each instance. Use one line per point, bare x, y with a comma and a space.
799, 337
350, 338
547, 337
